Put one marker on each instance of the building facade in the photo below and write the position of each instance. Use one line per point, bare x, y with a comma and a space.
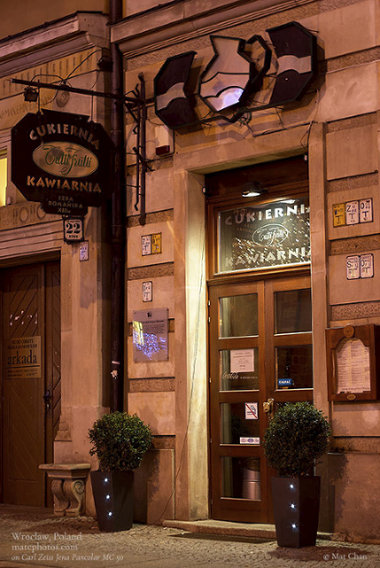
54, 307
231, 270
228, 295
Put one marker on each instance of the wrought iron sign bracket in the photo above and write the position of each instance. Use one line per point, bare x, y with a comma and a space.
142, 164
136, 106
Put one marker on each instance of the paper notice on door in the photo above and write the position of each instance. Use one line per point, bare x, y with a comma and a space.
251, 411
242, 361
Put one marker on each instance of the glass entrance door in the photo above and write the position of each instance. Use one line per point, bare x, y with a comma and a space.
260, 357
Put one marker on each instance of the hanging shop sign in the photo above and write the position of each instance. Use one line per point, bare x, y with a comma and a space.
62, 160
264, 236
235, 75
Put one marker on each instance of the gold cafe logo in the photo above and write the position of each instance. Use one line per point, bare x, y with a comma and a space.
65, 159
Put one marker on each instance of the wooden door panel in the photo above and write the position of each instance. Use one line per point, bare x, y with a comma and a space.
30, 366
23, 436
240, 474
227, 476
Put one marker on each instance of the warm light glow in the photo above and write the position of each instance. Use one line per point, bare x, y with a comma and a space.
3, 179
251, 193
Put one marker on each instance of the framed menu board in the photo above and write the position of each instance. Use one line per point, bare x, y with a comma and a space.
352, 363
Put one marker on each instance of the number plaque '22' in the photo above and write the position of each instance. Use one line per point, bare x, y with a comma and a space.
73, 231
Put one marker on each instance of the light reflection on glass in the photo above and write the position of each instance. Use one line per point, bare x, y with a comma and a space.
147, 343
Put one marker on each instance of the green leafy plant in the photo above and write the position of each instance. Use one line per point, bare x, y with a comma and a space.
120, 441
295, 438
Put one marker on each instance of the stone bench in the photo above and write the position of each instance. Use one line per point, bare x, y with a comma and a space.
68, 486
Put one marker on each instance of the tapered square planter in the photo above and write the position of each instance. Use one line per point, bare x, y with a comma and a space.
296, 510
113, 494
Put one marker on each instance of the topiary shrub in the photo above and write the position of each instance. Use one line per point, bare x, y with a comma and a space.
295, 438
120, 441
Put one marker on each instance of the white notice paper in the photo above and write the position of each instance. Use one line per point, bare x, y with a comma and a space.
242, 361
353, 366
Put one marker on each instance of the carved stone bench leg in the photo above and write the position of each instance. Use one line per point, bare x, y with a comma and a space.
74, 491
60, 500
68, 486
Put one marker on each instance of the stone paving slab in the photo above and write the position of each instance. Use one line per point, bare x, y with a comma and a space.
54, 542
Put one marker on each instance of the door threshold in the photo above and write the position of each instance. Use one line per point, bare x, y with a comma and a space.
231, 528
212, 526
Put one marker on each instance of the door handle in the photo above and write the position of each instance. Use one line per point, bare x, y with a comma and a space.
47, 399
268, 407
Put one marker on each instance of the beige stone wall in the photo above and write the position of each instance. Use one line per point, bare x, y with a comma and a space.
336, 124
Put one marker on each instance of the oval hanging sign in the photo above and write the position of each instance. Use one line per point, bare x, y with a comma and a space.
67, 160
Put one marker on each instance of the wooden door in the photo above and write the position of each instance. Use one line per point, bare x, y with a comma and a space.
30, 379
260, 357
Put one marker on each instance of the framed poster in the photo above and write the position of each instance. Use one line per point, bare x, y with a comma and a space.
352, 362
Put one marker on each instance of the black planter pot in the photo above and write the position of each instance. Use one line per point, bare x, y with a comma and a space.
113, 494
296, 510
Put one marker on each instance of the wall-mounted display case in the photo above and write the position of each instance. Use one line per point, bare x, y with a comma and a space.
353, 362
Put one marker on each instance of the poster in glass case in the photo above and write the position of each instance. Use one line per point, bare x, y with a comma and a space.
352, 363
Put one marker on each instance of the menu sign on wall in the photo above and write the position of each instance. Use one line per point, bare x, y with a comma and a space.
61, 160
353, 366
271, 235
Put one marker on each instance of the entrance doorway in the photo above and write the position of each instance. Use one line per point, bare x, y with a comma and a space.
260, 357
260, 330
30, 379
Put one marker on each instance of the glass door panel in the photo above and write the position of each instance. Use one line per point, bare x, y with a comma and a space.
241, 478
239, 369
293, 311
240, 423
294, 367
238, 316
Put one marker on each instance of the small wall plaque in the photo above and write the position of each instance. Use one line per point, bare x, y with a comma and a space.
147, 291
73, 231
151, 244
83, 251
339, 214
353, 267
156, 243
366, 265
366, 211
359, 266
146, 245
352, 212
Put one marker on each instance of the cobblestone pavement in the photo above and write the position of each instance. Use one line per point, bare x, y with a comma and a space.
35, 538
